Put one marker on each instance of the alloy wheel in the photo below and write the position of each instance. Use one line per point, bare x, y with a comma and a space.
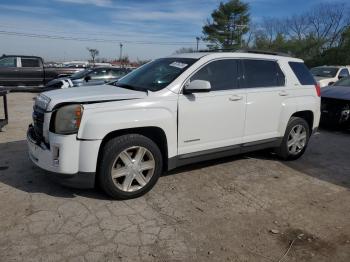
133, 169
296, 139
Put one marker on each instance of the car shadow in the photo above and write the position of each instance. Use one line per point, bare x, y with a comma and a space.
327, 158
17, 171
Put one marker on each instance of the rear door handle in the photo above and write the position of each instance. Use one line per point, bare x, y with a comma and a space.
235, 98
283, 93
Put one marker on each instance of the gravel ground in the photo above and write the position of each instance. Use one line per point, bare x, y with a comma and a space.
246, 208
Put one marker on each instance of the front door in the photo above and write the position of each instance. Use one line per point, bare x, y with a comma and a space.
8, 71
215, 119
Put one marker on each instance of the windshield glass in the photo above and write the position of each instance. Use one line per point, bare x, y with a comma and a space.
343, 82
324, 71
156, 75
80, 74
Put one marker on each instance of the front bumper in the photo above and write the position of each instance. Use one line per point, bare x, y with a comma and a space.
72, 161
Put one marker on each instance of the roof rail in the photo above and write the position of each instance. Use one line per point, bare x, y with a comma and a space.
263, 52
252, 51
218, 50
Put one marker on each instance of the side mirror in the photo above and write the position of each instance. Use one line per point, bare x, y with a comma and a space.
87, 78
197, 86
340, 77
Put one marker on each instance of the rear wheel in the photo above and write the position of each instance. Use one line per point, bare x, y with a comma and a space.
130, 166
295, 140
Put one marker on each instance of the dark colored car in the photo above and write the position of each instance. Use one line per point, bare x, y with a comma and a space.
88, 77
335, 103
19, 72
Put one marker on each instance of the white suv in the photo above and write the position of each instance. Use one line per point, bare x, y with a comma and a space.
171, 112
328, 75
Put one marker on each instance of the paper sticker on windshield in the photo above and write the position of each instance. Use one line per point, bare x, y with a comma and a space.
178, 65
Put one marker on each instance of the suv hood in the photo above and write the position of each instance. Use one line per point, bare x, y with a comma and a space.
338, 92
91, 94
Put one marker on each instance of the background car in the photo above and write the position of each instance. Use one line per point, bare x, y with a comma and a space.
327, 75
19, 72
335, 104
92, 76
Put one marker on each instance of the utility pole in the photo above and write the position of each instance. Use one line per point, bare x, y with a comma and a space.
240, 28
121, 52
197, 38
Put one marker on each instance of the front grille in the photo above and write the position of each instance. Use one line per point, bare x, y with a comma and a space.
38, 123
334, 111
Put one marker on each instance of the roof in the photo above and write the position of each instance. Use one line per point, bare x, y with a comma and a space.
27, 56
213, 55
196, 55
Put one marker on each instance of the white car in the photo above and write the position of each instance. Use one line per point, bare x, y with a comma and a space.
171, 112
328, 75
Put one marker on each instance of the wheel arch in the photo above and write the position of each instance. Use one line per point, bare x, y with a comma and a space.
156, 134
307, 115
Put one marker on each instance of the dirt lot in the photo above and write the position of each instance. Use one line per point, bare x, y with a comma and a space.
246, 208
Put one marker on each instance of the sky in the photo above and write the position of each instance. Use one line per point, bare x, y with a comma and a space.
147, 29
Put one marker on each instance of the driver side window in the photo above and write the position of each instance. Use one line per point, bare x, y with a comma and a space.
222, 74
99, 73
8, 62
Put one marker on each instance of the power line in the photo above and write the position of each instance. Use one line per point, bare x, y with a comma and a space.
84, 39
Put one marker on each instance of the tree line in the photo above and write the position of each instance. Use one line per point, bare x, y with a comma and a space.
320, 35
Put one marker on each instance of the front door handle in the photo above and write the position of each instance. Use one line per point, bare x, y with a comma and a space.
235, 98
283, 93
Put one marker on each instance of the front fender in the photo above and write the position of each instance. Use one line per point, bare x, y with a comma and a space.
99, 122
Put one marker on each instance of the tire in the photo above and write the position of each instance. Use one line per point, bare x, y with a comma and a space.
135, 162
286, 152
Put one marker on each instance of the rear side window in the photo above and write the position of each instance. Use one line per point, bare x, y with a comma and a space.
302, 73
30, 62
221, 74
262, 73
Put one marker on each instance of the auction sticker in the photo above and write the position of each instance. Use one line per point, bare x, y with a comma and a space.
178, 65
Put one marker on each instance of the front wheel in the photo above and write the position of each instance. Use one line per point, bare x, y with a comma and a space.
130, 166
295, 140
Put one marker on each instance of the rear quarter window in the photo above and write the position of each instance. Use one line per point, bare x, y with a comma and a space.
302, 73
262, 73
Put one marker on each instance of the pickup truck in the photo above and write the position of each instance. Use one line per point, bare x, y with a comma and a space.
23, 72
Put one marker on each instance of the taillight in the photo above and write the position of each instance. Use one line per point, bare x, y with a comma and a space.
318, 89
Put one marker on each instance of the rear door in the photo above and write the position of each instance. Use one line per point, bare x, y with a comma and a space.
266, 92
8, 71
32, 73
212, 120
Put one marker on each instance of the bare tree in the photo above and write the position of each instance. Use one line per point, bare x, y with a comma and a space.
297, 26
271, 27
327, 21
93, 53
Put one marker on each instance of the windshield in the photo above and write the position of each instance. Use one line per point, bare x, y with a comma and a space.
343, 82
80, 74
324, 71
155, 75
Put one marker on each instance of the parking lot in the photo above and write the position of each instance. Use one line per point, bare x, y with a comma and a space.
245, 208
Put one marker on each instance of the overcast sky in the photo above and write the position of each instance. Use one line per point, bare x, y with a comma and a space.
148, 29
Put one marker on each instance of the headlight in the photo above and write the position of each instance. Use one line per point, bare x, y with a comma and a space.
67, 119
42, 101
